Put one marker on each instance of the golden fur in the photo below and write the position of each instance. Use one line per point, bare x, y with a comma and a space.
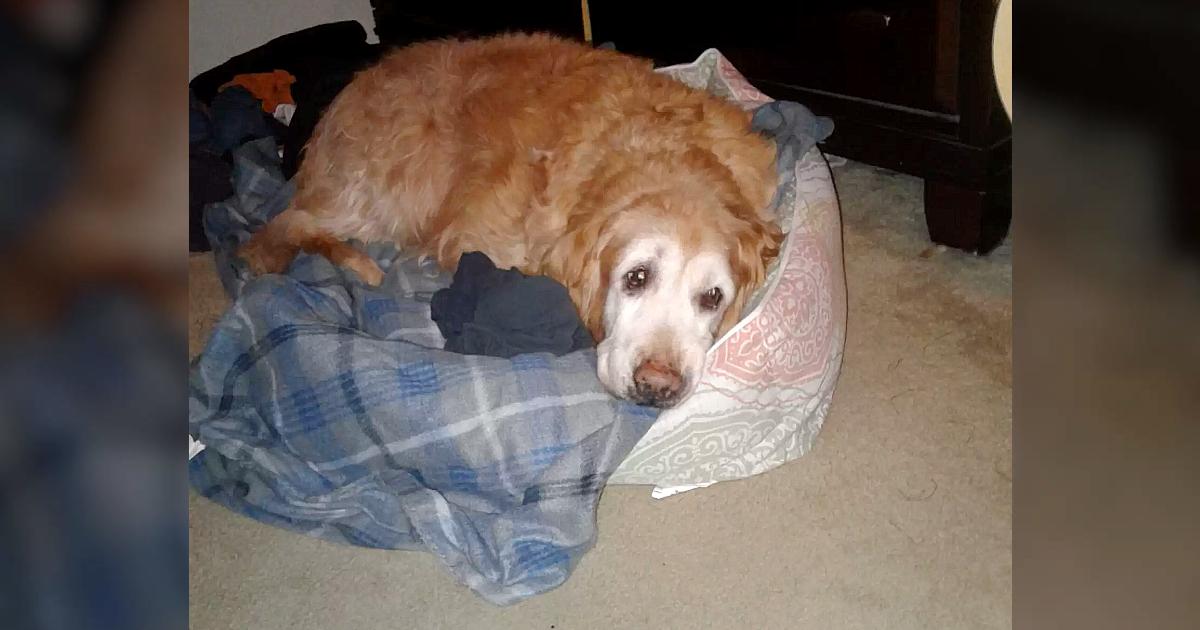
545, 154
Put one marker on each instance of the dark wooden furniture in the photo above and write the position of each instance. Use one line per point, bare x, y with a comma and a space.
908, 83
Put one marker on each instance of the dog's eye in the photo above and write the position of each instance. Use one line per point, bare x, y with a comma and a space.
711, 299
636, 278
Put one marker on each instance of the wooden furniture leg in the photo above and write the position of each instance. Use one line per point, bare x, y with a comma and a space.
972, 220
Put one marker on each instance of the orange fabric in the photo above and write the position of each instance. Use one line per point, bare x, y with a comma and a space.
272, 88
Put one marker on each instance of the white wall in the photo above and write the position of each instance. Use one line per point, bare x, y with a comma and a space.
220, 29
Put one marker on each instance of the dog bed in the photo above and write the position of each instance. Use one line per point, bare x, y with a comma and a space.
769, 381
327, 407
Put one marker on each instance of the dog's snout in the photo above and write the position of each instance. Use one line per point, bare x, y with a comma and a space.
657, 384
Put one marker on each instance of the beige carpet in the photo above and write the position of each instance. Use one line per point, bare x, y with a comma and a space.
899, 518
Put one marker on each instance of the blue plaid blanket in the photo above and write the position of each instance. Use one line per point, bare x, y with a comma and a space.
327, 407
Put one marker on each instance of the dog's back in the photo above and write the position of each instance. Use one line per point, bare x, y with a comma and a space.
444, 128
454, 146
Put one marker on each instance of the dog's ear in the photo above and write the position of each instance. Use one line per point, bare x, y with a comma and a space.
754, 239
742, 179
746, 157
754, 245
582, 259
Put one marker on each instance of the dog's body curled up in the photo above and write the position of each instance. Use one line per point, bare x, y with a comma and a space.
645, 198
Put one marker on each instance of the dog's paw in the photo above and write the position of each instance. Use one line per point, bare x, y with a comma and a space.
261, 260
366, 269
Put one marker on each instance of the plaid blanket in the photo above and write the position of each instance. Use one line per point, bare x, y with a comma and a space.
327, 407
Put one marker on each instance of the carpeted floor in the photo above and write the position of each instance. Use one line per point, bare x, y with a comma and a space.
899, 518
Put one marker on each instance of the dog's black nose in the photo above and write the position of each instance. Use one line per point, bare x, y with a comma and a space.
657, 384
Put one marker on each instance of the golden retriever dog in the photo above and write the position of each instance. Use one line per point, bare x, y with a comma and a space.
646, 198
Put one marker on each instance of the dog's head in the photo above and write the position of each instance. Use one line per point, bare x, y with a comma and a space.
660, 258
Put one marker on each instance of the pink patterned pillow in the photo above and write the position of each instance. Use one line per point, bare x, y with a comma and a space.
770, 379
